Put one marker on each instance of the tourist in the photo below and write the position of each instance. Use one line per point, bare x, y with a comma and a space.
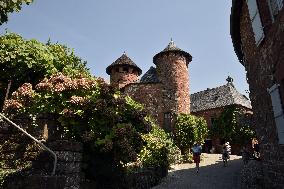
226, 151
255, 146
196, 149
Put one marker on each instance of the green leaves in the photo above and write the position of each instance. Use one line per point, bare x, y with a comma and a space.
9, 6
233, 125
30, 61
189, 129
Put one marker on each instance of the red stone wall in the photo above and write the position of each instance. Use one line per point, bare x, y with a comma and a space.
150, 95
172, 71
264, 66
208, 114
122, 78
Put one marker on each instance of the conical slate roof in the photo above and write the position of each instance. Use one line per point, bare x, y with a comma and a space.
224, 95
171, 47
150, 76
124, 60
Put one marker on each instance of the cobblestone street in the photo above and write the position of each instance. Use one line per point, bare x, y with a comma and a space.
212, 174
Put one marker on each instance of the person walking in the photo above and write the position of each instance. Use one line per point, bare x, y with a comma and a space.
226, 151
255, 146
196, 149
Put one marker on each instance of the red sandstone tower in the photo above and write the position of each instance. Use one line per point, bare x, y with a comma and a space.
123, 71
172, 71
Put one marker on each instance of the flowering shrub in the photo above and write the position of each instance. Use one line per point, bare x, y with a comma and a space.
92, 112
29, 61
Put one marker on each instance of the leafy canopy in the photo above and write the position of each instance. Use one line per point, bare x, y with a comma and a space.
9, 6
189, 129
29, 61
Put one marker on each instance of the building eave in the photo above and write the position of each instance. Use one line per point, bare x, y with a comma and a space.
235, 18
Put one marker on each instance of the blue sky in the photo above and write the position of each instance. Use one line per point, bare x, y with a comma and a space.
100, 30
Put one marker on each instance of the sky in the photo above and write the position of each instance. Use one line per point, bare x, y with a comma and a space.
101, 30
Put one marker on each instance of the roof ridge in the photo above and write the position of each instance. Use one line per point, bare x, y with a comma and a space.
209, 89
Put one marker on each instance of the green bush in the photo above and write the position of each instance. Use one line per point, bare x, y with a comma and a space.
189, 129
159, 150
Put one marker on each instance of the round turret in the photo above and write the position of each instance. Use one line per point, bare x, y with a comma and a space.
172, 71
123, 71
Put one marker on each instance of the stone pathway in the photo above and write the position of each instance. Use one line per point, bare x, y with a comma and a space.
212, 174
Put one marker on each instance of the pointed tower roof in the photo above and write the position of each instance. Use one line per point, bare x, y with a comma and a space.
123, 60
171, 47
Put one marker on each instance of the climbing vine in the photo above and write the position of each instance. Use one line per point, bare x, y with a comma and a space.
233, 125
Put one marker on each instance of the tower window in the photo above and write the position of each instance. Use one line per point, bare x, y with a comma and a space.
117, 69
167, 121
125, 69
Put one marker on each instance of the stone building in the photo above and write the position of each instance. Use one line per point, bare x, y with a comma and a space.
164, 89
257, 31
211, 102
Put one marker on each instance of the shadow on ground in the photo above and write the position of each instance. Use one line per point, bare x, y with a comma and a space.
209, 177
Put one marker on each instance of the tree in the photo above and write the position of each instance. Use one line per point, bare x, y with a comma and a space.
29, 61
188, 130
201, 131
9, 6
233, 125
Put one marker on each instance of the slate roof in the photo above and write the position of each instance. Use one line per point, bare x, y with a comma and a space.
121, 61
150, 76
217, 97
173, 48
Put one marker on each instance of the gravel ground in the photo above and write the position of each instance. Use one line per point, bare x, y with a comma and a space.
212, 174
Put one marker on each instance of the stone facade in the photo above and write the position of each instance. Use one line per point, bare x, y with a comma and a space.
172, 71
30, 166
123, 71
163, 90
210, 103
264, 63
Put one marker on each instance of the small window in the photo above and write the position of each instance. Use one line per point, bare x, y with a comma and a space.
167, 121
277, 111
125, 69
275, 6
117, 69
255, 21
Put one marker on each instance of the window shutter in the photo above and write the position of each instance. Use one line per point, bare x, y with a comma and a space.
278, 111
256, 21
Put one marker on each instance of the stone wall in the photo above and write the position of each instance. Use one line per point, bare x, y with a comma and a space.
146, 178
30, 166
120, 78
264, 66
172, 71
252, 175
151, 96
